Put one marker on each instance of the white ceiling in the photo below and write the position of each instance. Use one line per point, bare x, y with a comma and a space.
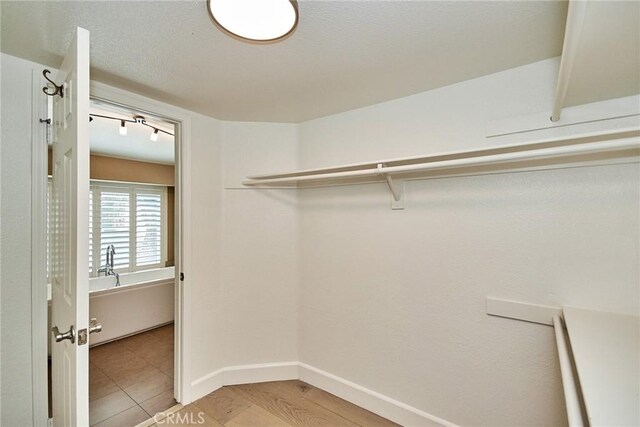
344, 54
105, 139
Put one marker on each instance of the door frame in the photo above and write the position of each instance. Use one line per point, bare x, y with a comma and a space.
182, 121
39, 287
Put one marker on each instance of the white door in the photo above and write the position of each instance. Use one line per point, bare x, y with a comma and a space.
70, 238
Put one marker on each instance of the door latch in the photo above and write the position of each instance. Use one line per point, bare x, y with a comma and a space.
69, 335
82, 337
94, 326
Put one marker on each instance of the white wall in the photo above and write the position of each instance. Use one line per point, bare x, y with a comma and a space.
260, 252
206, 216
15, 261
244, 251
395, 300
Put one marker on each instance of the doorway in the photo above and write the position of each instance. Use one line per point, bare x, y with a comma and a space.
135, 258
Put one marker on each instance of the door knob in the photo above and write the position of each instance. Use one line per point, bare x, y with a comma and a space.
69, 335
94, 326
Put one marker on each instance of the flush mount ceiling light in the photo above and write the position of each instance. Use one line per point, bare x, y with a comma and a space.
256, 21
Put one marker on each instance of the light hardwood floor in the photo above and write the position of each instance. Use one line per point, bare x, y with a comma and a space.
131, 379
281, 403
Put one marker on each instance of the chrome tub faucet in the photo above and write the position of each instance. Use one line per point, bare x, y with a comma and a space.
107, 269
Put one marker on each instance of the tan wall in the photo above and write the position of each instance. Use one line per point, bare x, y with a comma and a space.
114, 169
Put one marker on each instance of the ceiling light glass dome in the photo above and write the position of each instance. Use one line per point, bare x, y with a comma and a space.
260, 21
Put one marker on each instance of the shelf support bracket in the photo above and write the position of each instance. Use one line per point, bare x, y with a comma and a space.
573, 29
397, 191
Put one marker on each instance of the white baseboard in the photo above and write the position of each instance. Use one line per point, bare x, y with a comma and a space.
205, 385
244, 374
380, 404
261, 373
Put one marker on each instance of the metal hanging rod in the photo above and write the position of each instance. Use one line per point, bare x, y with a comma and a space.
136, 119
58, 89
626, 139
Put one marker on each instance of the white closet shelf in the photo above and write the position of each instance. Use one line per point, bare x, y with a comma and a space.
606, 352
572, 395
622, 142
599, 362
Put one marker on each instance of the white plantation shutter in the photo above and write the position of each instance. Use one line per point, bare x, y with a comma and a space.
148, 227
115, 225
130, 217
91, 272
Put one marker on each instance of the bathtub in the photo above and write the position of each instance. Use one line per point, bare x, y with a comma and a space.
105, 283
143, 300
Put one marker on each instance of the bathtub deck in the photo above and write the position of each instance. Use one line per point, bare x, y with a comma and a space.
131, 379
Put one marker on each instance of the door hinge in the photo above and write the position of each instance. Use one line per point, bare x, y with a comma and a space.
47, 121
182, 277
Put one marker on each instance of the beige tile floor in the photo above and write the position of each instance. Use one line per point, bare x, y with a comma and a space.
131, 379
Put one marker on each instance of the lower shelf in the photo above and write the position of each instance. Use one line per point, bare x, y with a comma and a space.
606, 352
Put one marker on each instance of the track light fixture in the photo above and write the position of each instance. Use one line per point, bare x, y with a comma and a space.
136, 119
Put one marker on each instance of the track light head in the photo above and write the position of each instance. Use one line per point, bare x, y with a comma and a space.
154, 135
123, 128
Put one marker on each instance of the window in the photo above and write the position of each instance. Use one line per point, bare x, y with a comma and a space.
130, 217
148, 228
